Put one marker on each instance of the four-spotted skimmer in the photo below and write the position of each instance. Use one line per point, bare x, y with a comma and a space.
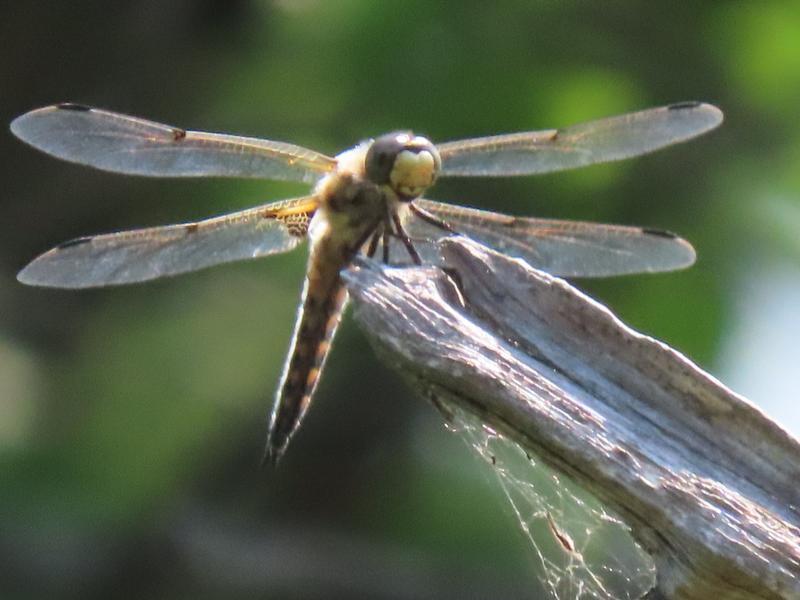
367, 197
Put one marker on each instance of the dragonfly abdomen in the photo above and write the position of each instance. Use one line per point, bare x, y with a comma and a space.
324, 298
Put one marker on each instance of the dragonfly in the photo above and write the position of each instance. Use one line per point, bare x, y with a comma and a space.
363, 199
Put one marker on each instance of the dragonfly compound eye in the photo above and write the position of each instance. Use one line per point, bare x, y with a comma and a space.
407, 163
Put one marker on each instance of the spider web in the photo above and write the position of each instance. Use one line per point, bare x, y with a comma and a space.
581, 550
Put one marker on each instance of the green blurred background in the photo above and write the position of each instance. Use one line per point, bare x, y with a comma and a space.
132, 419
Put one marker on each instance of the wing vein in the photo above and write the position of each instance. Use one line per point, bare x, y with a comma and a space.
149, 253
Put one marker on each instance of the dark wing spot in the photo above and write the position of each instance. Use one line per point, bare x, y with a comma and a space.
555, 135
75, 242
191, 228
682, 105
178, 134
73, 106
660, 233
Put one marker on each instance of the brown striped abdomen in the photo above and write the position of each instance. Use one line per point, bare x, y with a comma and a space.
324, 297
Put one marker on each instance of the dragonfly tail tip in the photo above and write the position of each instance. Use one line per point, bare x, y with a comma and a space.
272, 455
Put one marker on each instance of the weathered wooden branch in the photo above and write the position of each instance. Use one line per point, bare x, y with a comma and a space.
707, 483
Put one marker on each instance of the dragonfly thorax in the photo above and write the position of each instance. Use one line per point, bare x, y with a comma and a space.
408, 164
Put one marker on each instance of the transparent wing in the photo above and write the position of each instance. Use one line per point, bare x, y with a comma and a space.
605, 140
143, 254
562, 248
123, 144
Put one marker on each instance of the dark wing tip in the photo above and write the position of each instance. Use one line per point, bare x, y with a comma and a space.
43, 271
684, 105
712, 115
73, 106
680, 252
660, 233
25, 125
73, 242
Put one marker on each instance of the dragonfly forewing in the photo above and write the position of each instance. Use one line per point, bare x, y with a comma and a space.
123, 144
143, 254
563, 248
605, 140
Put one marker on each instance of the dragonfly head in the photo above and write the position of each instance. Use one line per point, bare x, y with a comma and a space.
408, 164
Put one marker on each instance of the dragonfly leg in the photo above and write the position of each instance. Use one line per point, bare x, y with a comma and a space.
373, 243
363, 240
385, 242
401, 233
431, 219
